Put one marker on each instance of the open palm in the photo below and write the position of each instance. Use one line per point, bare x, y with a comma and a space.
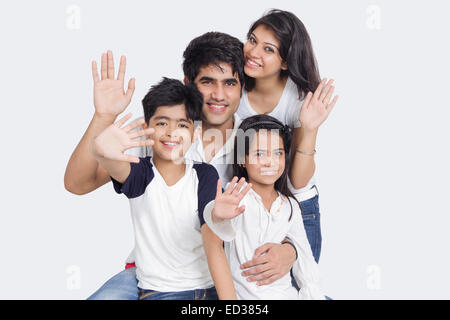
317, 106
109, 95
226, 205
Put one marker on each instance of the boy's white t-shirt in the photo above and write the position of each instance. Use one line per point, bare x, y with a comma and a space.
245, 233
167, 222
287, 112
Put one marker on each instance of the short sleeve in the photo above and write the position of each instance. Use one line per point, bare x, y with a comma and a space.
141, 174
207, 187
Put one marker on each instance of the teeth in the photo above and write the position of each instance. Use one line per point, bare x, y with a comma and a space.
253, 63
170, 143
216, 107
269, 173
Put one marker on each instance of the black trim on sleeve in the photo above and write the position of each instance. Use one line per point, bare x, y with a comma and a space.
141, 174
207, 186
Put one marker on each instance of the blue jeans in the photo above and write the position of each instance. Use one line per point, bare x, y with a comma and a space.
311, 221
198, 294
123, 286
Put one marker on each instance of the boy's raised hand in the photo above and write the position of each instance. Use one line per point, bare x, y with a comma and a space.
226, 205
115, 140
317, 106
109, 97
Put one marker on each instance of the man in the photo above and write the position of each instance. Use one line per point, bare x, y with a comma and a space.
215, 63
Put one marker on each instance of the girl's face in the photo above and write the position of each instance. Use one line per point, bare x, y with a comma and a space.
262, 56
265, 162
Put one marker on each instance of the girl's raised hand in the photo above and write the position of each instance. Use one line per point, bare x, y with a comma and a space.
226, 205
317, 106
115, 140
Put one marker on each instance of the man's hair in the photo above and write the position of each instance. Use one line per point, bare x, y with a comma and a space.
213, 48
172, 92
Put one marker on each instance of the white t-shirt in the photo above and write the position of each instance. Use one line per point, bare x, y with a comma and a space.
168, 251
245, 233
287, 112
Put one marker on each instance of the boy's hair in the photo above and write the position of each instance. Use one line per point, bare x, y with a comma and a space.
247, 130
171, 92
213, 48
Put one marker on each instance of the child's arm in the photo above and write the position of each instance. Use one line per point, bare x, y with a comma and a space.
315, 110
305, 269
218, 264
109, 147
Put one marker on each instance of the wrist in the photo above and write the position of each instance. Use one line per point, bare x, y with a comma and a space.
105, 118
292, 250
309, 132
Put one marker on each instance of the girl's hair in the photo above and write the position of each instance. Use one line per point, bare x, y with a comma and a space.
244, 137
295, 49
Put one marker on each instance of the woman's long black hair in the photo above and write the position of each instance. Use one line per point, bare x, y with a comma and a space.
244, 137
295, 49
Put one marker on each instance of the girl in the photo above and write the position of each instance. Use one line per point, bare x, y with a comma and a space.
281, 74
264, 211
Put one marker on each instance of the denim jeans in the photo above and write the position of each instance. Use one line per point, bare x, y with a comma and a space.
311, 221
198, 294
123, 286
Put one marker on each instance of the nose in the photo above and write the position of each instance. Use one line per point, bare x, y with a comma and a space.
218, 93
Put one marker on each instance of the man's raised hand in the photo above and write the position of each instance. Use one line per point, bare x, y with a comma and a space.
226, 205
110, 99
115, 140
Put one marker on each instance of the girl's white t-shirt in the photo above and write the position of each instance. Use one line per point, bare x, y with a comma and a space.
257, 226
287, 112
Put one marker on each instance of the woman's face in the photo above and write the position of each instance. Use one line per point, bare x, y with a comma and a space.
265, 162
262, 55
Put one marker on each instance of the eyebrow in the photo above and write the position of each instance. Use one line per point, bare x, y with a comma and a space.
259, 150
205, 78
167, 118
270, 44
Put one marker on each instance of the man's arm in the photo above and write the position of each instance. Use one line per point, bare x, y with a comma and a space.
218, 264
83, 173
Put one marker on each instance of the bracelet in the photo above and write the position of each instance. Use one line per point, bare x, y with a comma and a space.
288, 242
306, 153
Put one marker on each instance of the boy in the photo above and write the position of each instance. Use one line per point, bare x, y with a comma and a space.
167, 195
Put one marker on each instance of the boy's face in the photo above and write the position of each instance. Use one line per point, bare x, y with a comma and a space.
221, 91
173, 132
265, 162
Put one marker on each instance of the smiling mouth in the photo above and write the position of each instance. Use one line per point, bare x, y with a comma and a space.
219, 108
269, 172
170, 144
252, 64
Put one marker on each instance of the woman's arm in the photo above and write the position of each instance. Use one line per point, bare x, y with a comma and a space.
314, 112
218, 264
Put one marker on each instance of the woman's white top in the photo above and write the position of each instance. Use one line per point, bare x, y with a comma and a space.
245, 233
286, 111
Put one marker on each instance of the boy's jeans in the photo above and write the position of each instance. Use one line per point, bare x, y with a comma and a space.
123, 286
198, 294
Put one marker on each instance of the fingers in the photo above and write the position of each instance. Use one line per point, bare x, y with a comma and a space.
245, 191
319, 88
230, 188
328, 96
132, 159
307, 100
257, 270
326, 90
134, 124
141, 133
122, 121
95, 75
238, 187
240, 210
130, 90
331, 105
219, 188
140, 143
255, 262
110, 69
104, 66
122, 68
269, 280
263, 249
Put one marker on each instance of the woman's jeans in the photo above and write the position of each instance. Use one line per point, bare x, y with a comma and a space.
198, 294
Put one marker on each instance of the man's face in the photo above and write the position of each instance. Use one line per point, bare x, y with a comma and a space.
221, 91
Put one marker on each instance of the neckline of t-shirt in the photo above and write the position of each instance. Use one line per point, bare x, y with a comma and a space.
282, 98
188, 165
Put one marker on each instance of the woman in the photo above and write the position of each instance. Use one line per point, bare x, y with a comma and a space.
281, 74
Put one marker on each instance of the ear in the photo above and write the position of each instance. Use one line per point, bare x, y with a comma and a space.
186, 81
284, 66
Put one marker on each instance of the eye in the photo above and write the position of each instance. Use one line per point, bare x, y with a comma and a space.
259, 154
182, 125
279, 153
269, 49
230, 84
161, 124
252, 40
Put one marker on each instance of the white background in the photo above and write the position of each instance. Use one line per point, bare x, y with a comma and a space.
382, 155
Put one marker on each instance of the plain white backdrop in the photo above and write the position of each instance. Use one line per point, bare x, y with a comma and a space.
382, 161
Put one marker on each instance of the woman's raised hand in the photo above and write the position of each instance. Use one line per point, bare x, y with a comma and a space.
115, 140
226, 205
317, 106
